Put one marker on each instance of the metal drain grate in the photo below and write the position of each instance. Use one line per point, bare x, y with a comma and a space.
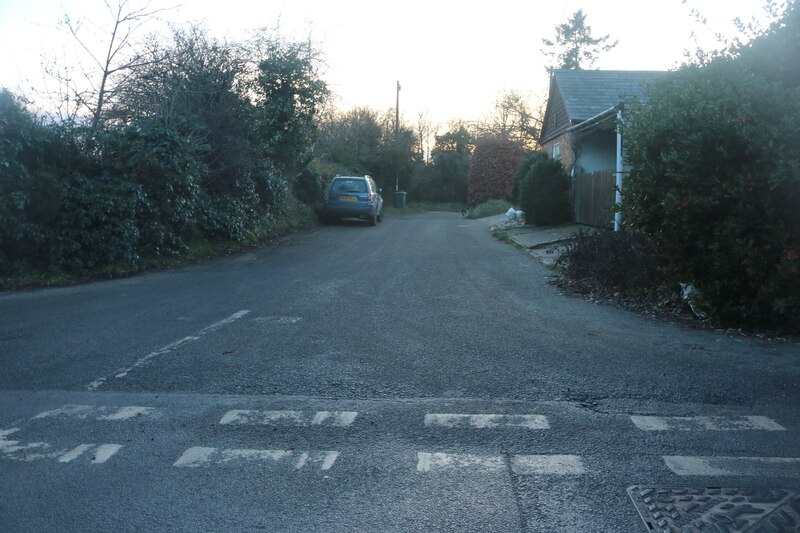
717, 510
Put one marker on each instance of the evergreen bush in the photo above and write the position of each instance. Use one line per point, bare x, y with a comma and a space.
715, 180
544, 193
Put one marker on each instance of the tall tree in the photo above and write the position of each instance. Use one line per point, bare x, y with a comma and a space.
573, 46
289, 94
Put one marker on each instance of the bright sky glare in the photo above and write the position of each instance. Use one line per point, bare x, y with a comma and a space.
452, 58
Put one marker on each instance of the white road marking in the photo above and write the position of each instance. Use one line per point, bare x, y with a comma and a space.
72, 454
196, 456
96, 384
80, 411
707, 423
450, 461
98, 412
487, 421
278, 319
127, 412
6, 432
559, 465
290, 418
104, 453
14, 450
734, 466
200, 456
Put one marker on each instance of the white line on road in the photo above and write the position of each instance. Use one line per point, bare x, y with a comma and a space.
520, 464
449, 461
734, 466
486, 421
98, 412
278, 319
17, 451
94, 385
706, 423
104, 453
75, 453
290, 418
199, 456
559, 465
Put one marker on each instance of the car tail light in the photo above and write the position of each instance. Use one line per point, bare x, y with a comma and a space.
372, 196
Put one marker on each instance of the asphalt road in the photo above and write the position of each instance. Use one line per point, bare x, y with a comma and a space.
414, 376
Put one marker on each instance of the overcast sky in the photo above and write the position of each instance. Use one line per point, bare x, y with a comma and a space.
453, 58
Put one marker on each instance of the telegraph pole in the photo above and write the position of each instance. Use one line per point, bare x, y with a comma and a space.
396, 139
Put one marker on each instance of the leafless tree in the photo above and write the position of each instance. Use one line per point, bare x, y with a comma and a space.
513, 119
109, 55
426, 133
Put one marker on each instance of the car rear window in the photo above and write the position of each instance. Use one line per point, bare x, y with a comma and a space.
345, 185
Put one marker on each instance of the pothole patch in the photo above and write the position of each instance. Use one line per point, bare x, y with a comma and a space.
723, 510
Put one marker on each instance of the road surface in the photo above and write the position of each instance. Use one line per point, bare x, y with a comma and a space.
415, 376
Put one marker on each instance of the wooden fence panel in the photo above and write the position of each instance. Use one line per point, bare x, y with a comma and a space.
593, 198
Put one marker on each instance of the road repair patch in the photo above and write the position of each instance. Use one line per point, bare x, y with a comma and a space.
724, 510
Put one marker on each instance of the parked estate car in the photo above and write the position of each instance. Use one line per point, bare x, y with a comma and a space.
354, 197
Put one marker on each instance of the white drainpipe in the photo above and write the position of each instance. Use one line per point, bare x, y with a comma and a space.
618, 194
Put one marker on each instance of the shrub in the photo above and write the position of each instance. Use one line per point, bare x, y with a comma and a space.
544, 193
168, 169
715, 182
309, 187
524, 167
97, 225
611, 262
492, 168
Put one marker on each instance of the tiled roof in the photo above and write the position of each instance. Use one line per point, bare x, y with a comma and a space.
587, 93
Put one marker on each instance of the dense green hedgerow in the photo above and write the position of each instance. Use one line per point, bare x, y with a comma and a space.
715, 179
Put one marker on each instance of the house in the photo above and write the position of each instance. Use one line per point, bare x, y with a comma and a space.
580, 129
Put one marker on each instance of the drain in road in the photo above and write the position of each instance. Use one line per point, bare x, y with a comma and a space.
724, 510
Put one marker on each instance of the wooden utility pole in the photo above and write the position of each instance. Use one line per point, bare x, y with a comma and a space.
397, 139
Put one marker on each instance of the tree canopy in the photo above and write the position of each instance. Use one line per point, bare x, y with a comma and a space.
574, 47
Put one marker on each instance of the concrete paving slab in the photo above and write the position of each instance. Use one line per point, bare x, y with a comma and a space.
536, 236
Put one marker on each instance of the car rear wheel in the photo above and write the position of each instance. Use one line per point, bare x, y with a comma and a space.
373, 220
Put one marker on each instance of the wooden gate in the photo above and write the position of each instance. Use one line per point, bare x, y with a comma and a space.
593, 198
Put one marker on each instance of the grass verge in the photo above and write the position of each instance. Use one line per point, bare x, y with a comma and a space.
489, 208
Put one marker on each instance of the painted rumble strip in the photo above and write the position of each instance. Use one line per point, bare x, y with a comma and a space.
734, 466
98, 412
96, 384
487, 421
200, 456
33, 451
707, 423
290, 418
520, 464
